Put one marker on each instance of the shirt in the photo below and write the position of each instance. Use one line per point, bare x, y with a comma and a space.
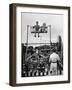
54, 58
37, 27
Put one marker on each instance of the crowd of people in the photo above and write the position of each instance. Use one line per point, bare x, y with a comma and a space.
39, 64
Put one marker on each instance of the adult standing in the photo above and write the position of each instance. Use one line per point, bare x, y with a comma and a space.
54, 60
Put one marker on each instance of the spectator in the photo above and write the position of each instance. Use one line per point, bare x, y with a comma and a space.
53, 60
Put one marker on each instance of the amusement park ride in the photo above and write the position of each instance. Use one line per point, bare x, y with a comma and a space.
37, 30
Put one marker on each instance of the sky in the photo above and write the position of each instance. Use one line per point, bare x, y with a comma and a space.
55, 20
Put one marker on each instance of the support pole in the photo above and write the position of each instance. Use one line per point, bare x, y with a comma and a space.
50, 37
27, 41
27, 35
50, 33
